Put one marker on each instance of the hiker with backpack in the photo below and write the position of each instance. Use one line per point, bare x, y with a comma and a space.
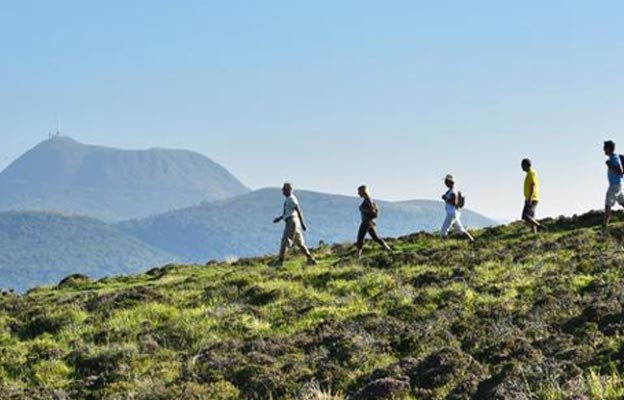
293, 228
614, 174
369, 212
531, 195
454, 201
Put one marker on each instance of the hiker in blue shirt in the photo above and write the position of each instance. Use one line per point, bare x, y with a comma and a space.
614, 174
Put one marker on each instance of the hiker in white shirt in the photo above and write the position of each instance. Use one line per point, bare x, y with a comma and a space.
293, 228
452, 221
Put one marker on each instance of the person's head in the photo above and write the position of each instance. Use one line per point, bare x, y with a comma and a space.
449, 181
287, 189
609, 147
526, 164
363, 191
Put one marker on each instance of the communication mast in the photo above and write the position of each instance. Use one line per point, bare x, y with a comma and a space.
58, 126
58, 129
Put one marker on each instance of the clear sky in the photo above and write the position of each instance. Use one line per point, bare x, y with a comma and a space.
332, 94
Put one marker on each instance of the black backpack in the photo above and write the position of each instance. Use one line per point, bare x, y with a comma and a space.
374, 210
461, 200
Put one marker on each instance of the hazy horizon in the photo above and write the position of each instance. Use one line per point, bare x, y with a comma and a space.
332, 95
275, 185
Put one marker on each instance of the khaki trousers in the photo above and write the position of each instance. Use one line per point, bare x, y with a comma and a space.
293, 235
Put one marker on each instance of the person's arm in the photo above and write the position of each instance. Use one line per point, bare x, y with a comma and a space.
617, 168
281, 217
531, 192
303, 225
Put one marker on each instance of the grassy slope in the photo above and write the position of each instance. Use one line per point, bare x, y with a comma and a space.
512, 317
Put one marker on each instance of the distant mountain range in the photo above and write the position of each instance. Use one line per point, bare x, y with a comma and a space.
111, 184
161, 206
242, 226
42, 248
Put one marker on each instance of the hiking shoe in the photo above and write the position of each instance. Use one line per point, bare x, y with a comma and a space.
276, 263
312, 261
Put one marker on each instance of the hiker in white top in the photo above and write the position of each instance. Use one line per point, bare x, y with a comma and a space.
290, 207
452, 204
293, 228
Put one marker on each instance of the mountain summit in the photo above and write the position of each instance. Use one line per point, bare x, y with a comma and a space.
112, 184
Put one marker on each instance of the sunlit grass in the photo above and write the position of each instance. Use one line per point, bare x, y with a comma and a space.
236, 330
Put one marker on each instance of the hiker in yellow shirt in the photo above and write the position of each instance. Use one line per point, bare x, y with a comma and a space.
531, 196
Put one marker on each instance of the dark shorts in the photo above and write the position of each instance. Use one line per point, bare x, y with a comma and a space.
529, 210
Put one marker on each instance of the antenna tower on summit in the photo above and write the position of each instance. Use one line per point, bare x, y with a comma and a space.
58, 129
58, 126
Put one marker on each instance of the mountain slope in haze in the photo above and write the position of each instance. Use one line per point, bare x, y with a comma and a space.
111, 184
42, 248
514, 316
242, 226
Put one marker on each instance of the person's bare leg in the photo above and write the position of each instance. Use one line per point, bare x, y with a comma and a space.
283, 249
607, 216
533, 224
306, 251
280, 259
464, 231
286, 243
282, 255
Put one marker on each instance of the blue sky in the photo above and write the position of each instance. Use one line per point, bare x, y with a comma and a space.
331, 94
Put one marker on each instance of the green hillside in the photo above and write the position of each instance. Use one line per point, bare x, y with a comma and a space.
513, 316
38, 248
241, 226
